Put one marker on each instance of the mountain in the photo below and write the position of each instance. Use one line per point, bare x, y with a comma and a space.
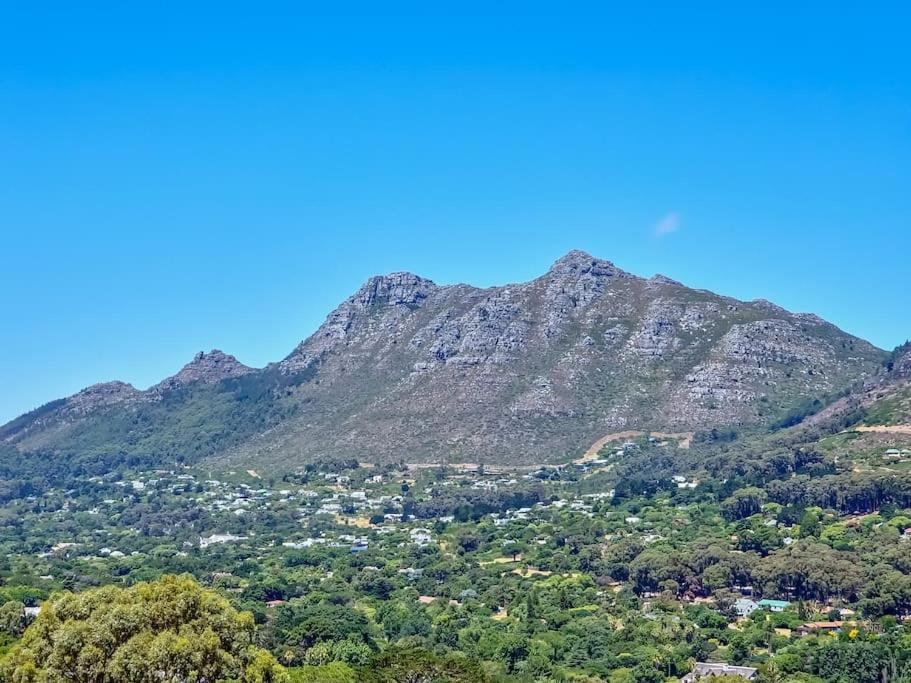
879, 406
865, 431
406, 369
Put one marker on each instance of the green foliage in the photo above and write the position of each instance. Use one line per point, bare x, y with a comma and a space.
743, 503
12, 618
168, 630
415, 665
305, 624
336, 672
184, 424
629, 588
809, 524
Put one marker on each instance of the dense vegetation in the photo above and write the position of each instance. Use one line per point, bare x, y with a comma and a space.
185, 422
626, 568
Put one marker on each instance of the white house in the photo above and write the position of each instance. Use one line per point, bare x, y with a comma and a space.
744, 607
703, 670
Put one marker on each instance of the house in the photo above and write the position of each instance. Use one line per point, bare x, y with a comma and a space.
306, 543
271, 604
820, 627
703, 670
219, 538
426, 599
744, 607
774, 605
420, 536
411, 573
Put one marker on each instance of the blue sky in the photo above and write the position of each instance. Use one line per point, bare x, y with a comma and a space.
178, 179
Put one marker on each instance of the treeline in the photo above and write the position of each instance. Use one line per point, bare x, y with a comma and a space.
472, 504
806, 570
796, 477
850, 493
31, 474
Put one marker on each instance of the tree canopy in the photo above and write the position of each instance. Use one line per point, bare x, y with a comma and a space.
168, 631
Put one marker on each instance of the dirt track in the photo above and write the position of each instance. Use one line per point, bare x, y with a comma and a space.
885, 429
683, 438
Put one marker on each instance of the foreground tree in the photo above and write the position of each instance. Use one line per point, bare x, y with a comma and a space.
168, 631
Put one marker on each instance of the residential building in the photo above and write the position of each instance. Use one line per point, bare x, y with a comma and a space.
820, 627
744, 607
703, 670
774, 605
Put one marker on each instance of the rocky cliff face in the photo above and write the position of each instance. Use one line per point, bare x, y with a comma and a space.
407, 369
901, 364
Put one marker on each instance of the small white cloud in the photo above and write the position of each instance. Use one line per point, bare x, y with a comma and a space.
670, 223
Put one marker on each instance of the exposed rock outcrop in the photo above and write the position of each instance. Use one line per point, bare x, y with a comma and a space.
206, 368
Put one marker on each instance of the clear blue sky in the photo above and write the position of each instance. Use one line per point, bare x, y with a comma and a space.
178, 177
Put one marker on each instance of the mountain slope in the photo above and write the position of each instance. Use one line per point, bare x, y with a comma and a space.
406, 369
867, 430
882, 404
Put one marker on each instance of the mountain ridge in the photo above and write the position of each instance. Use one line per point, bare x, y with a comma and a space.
405, 368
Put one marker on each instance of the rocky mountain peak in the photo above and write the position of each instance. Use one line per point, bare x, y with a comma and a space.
100, 396
578, 263
394, 289
395, 294
576, 280
207, 368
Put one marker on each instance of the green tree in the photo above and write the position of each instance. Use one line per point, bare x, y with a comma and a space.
168, 630
12, 618
809, 525
414, 665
